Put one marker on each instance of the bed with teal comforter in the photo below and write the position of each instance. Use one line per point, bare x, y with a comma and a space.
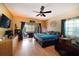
46, 36
45, 39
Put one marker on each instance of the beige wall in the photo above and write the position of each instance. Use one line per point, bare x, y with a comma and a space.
5, 11
66, 15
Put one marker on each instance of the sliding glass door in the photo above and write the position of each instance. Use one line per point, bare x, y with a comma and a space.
29, 27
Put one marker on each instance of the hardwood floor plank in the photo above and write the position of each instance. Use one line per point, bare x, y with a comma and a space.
29, 47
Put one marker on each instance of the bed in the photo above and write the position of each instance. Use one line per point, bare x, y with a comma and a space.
45, 39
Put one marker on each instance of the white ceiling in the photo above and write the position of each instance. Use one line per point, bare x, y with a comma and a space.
26, 9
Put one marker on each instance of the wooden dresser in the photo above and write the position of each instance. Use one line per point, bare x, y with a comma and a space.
7, 46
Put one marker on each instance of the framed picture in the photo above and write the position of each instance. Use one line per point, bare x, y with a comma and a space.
53, 23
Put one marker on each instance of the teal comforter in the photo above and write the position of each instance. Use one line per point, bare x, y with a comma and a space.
46, 36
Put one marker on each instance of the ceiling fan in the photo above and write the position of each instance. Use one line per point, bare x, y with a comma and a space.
42, 12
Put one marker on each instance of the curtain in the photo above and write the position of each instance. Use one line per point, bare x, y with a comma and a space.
38, 28
20, 31
22, 25
63, 26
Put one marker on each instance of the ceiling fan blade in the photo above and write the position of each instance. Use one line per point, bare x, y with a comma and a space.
47, 12
44, 15
37, 14
36, 11
42, 8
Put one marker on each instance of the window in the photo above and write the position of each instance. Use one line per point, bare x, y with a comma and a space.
72, 28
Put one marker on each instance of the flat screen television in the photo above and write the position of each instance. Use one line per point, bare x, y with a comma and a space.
5, 21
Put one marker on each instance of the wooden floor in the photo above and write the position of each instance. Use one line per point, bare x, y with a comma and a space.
29, 47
